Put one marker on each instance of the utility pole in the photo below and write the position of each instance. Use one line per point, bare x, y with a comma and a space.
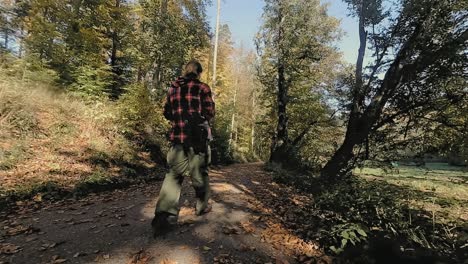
215, 55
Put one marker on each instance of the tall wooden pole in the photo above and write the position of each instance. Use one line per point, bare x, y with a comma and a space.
215, 55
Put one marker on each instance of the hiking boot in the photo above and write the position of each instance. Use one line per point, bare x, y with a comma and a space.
162, 224
207, 209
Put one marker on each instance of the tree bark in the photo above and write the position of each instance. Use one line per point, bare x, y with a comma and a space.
157, 64
281, 140
252, 139
6, 37
337, 165
215, 53
407, 62
116, 86
232, 138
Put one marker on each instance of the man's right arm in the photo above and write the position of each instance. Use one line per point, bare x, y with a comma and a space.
208, 105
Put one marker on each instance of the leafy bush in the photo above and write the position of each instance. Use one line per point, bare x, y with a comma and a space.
92, 83
347, 234
10, 157
140, 119
52, 135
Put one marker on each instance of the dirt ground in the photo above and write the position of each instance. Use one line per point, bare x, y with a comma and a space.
114, 227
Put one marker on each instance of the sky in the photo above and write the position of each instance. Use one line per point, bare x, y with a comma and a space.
244, 19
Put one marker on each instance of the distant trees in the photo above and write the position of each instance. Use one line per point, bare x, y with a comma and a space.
99, 47
11, 26
235, 86
169, 33
418, 72
5, 24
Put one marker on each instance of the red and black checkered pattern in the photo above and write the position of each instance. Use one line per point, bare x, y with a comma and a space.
187, 96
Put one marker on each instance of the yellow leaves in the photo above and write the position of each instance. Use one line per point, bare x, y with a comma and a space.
247, 226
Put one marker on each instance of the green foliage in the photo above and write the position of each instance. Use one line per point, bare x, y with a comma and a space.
414, 77
46, 133
370, 10
347, 234
221, 153
87, 44
139, 113
140, 118
308, 66
92, 83
9, 158
169, 33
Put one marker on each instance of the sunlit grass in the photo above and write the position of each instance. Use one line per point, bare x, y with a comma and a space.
435, 187
48, 135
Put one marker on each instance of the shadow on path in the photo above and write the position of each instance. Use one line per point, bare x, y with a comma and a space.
114, 227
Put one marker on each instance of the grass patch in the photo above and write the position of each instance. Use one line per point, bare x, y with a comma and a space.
419, 210
437, 187
12, 156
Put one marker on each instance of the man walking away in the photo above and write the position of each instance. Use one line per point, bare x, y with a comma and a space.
189, 106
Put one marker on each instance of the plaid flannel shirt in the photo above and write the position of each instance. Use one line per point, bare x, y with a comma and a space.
189, 96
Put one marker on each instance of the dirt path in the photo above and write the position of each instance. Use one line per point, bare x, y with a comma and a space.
114, 227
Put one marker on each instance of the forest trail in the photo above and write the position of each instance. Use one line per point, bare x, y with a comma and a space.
114, 227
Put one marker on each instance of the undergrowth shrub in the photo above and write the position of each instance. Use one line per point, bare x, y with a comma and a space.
358, 210
68, 133
92, 83
140, 118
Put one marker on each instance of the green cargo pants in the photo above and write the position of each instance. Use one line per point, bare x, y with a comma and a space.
184, 163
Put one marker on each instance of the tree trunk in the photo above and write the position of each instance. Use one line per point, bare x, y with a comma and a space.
338, 164
157, 64
252, 139
215, 53
6, 38
363, 121
280, 141
116, 86
20, 51
232, 139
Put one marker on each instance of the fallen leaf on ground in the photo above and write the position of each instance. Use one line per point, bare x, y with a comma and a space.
9, 249
140, 257
79, 254
57, 259
247, 227
29, 239
19, 229
229, 230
